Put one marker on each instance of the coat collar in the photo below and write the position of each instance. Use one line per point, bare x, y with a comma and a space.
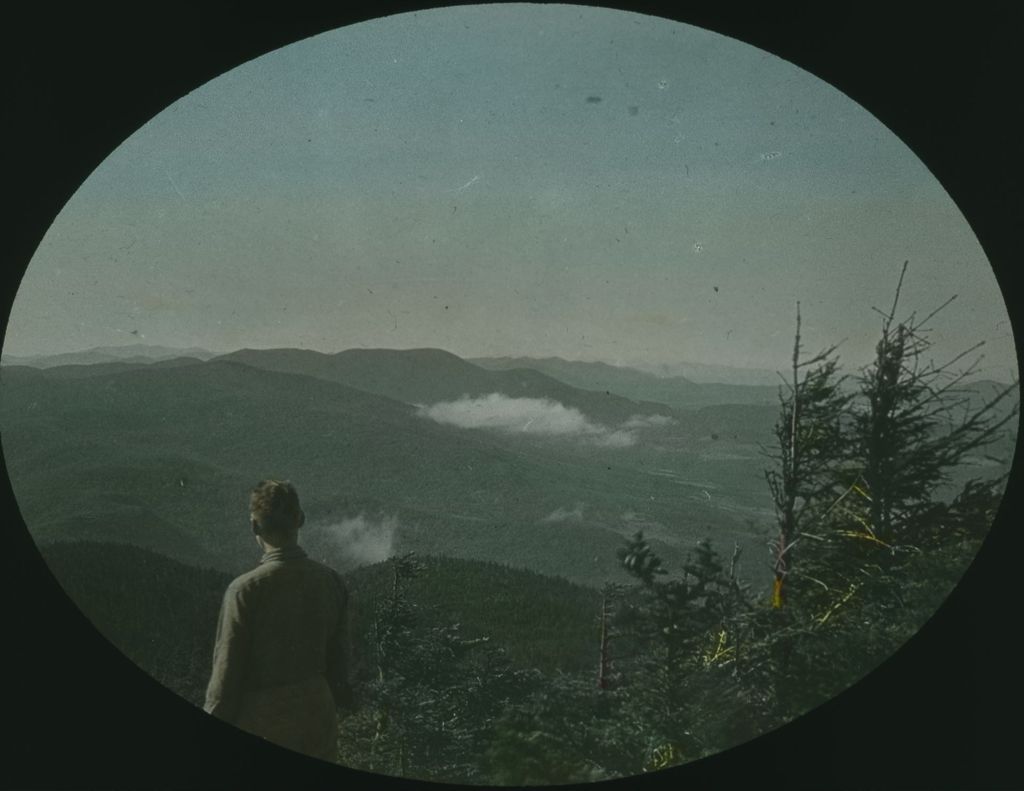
282, 554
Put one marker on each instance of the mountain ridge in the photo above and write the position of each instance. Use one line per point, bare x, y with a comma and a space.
119, 454
677, 392
138, 353
428, 375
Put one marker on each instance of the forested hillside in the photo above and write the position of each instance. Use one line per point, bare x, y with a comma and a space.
675, 391
162, 614
425, 376
539, 621
163, 456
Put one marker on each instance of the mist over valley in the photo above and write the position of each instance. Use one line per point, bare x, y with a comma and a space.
393, 451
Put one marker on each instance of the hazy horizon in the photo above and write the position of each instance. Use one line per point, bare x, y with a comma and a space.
220, 352
511, 180
696, 371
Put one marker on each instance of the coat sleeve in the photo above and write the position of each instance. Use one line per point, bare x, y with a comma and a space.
339, 650
223, 693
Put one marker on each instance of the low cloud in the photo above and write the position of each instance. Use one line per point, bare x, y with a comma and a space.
540, 416
358, 541
565, 515
649, 421
616, 439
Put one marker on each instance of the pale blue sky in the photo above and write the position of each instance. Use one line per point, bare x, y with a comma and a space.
510, 180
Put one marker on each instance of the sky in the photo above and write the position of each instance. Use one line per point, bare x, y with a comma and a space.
516, 180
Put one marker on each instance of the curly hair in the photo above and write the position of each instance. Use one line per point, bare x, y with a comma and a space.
274, 506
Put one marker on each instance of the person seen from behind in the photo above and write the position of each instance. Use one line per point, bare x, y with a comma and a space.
282, 653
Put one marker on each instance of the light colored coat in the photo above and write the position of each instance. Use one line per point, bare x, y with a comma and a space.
280, 662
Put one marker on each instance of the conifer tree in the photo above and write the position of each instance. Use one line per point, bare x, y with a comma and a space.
914, 425
434, 693
682, 691
809, 454
896, 535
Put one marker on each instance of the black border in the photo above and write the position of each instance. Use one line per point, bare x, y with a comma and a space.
942, 713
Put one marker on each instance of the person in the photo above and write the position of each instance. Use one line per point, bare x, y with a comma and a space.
282, 653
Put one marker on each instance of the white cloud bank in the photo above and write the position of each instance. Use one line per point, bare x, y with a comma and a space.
649, 421
357, 541
540, 416
517, 415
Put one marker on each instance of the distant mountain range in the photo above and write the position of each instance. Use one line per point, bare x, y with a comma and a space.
430, 375
675, 391
136, 353
162, 456
427, 376
695, 373
706, 373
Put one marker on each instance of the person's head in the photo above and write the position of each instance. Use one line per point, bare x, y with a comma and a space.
274, 512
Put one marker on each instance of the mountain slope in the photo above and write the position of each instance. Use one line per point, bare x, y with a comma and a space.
676, 391
162, 614
159, 613
540, 621
137, 353
164, 457
427, 376
82, 370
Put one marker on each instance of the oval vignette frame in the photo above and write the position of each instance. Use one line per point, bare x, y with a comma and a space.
902, 663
